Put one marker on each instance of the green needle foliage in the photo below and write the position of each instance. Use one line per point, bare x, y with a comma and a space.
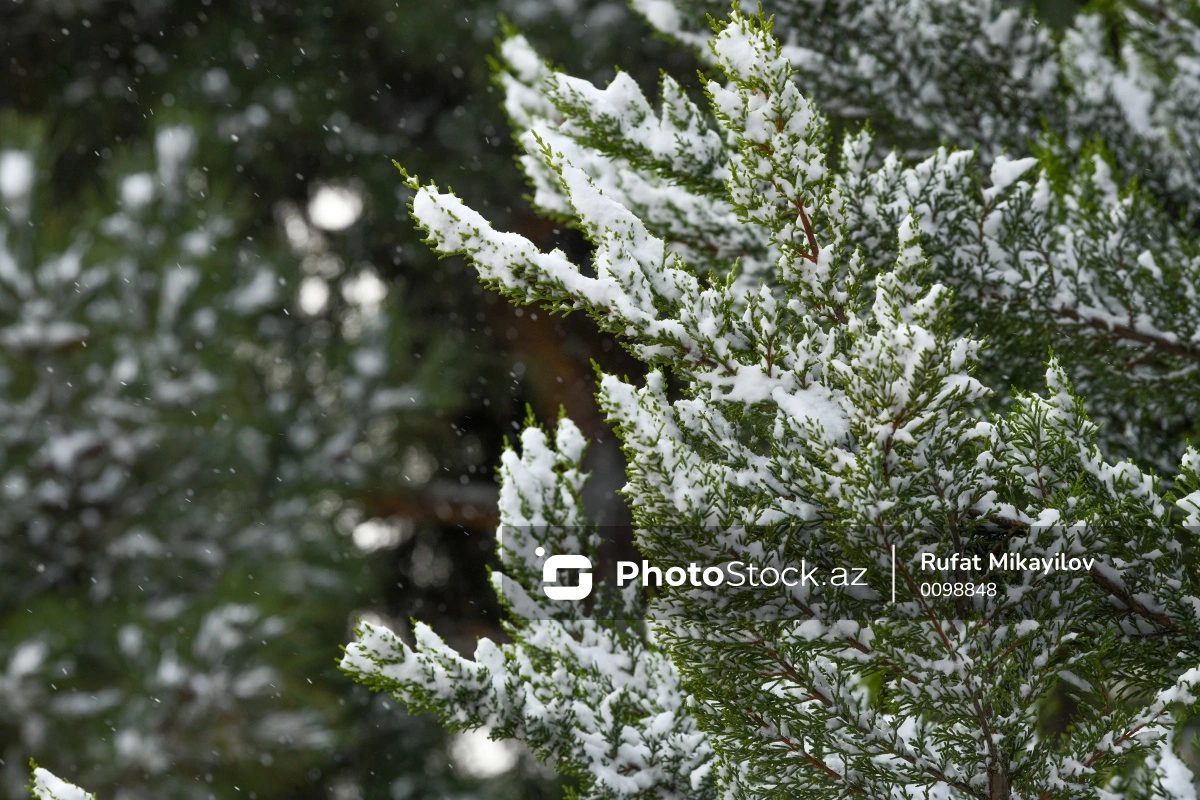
833, 323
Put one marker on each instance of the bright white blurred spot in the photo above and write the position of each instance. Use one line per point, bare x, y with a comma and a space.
314, 294
27, 659
16, 174
138, 749
16, 181
325, 265
257, 116
173, 146
259, 293
366, 291
380, 534
369, 363
297, 231
215, 82
480, 757
136, 191
335, 207
418, 465
197, 243
223, 630
429, 567
346, 789
300, 236
129, 639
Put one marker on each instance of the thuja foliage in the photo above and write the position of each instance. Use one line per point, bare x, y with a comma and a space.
1109, 106
813, 312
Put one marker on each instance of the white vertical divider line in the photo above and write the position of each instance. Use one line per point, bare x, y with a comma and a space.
893, 574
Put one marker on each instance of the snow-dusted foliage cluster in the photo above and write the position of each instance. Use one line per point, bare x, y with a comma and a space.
602, 701
974, 75
48, 786
813, 316
1101, 272
164, 424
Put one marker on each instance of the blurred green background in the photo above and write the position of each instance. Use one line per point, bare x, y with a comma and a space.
241, 404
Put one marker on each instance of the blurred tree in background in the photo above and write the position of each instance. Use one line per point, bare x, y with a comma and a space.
240, 403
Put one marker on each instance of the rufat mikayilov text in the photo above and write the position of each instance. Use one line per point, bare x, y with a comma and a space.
1005, 562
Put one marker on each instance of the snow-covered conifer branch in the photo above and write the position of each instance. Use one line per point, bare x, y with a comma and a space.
970, 74
988, 77
599, 698
819, 394
48, 786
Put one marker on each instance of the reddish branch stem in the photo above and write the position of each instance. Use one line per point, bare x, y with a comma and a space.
808, 231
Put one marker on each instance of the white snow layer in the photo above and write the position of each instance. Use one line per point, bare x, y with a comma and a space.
47, 786
1005, 172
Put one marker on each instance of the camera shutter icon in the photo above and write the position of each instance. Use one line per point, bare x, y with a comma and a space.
550, 572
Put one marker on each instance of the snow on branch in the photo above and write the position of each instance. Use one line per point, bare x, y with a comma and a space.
47, 786
819, 390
